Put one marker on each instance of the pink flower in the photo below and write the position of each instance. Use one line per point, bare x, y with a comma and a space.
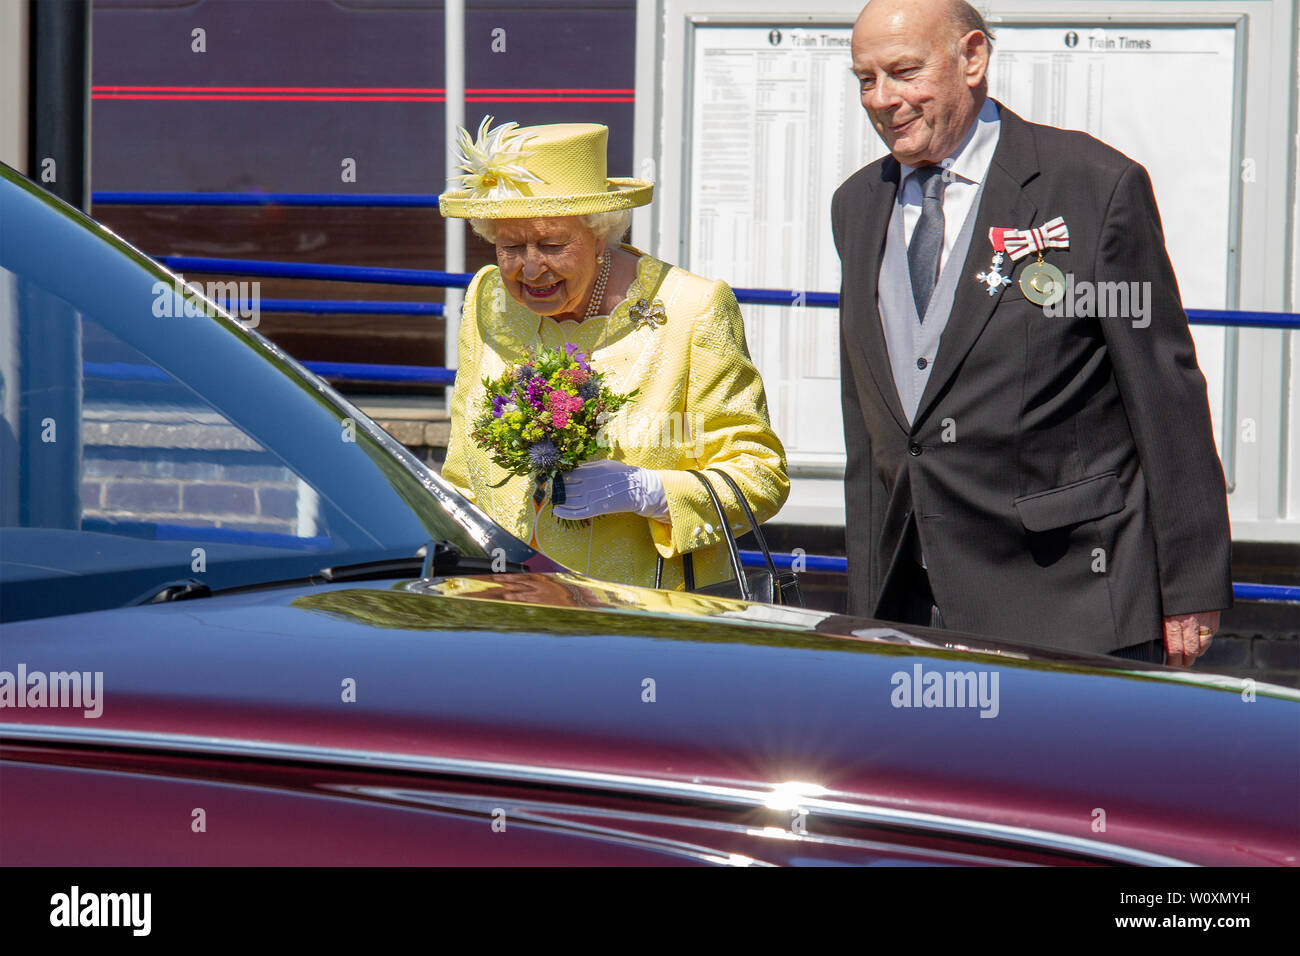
562, 405
559, 401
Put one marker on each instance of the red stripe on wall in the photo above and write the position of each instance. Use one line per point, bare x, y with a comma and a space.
371, 90
282, 98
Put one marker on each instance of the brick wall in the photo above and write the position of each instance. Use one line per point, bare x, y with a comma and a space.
191, 469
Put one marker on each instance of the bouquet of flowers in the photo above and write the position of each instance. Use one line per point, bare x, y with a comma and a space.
542, 418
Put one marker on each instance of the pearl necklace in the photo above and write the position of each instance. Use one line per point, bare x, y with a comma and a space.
598, 293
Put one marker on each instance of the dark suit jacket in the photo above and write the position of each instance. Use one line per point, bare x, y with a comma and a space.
1062, 471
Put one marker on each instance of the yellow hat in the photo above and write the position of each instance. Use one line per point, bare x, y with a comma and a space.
515, 172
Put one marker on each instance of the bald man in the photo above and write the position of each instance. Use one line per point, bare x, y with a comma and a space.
1018, 466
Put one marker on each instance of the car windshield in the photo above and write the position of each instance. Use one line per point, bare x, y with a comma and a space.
146, 438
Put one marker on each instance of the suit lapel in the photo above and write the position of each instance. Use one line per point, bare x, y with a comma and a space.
863, 327
1003, 203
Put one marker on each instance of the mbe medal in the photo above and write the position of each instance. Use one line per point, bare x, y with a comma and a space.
1042, 283
993, 279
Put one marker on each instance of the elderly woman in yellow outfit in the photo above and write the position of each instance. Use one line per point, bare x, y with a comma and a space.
541, 196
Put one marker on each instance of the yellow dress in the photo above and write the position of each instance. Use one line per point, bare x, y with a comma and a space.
701, 405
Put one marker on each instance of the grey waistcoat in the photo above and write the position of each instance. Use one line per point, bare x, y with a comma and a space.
908, 339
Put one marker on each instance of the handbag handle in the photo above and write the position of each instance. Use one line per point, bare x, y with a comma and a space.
733, 552
749, 516
688, 572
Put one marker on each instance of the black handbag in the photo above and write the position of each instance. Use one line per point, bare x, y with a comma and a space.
768, 586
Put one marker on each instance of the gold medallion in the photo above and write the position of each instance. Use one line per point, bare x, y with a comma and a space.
1042, 283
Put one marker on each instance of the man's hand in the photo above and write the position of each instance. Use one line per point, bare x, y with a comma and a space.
1188, 636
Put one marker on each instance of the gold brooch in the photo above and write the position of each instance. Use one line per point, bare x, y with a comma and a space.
648, 314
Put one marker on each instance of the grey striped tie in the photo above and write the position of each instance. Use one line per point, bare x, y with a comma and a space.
927, 239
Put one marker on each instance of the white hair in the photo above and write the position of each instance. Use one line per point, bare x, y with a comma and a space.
602, 224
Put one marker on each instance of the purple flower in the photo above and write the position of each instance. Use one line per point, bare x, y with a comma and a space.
577, 355
499, 402
536, 392
544, 456
588, 390
524, 372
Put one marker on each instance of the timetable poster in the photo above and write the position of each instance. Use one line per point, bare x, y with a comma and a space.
775, 127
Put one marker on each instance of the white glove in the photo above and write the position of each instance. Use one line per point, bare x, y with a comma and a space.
608, 487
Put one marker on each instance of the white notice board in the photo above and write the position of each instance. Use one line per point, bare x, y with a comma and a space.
775, 126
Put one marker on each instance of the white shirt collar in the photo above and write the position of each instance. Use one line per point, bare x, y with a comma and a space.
971, 160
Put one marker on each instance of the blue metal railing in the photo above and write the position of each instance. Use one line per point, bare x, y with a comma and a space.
788, 297
837, 565
432, 277
309, 270
114, 198
131, 372
342, 307
408, 374
1234, 318
1265, 592
439, 375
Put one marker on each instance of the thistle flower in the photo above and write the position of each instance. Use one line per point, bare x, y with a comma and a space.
544, 456
588, 390
524, 372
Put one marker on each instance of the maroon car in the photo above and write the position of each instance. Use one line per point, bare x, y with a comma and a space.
242, 625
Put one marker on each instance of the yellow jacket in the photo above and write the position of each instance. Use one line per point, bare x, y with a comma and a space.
701, 405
